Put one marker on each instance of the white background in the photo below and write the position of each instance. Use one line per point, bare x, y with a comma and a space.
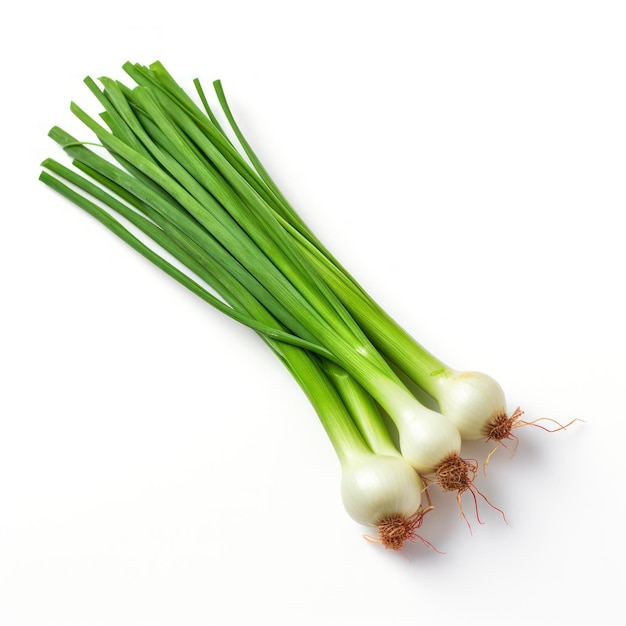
467, 161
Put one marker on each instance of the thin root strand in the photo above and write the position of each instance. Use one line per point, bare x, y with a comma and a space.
560, 426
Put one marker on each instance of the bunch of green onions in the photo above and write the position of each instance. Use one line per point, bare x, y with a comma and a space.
184, 192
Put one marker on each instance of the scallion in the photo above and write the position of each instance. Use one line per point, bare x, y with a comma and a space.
173, 174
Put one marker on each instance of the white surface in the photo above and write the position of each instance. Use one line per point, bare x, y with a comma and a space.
467, 161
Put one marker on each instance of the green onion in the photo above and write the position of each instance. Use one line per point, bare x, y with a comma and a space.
173, 174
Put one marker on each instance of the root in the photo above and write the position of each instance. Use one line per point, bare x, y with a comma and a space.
501, 428
457, 474
395, 530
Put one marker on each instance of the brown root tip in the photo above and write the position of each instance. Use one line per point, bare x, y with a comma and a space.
394, 531
501, 426
456, 474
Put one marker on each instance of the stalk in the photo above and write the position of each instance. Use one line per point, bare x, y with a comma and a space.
363, 410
